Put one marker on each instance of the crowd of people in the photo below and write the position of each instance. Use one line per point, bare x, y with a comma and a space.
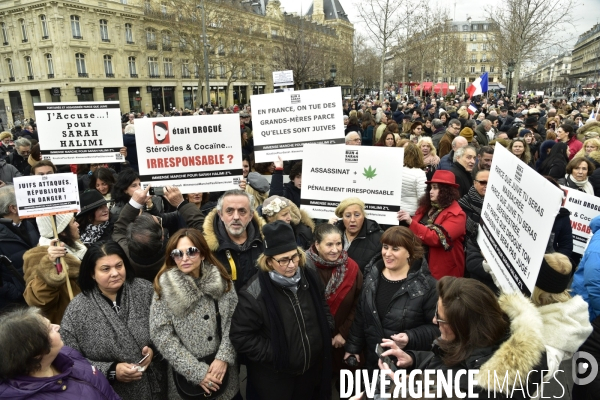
175, 295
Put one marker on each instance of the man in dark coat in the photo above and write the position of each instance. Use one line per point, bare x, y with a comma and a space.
464, 161
452, 131
18, 158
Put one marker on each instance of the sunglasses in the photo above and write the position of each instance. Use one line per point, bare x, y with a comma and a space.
191, 252
437, 317
482, 182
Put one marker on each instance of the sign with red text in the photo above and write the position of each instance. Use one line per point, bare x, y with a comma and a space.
283, 123
194, 153
331, 174
80, 133
43, 195
518, 212
584, 208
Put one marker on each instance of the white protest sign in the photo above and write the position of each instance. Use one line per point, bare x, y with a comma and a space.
42, 195
516, 221
80, 133
331, 174
584, 208
283, 78
194, 153
283, 122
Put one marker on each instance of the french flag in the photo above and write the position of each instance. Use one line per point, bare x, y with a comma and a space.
472, 109
478, 87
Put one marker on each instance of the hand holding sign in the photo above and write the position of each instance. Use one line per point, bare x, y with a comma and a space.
278, 163
56, 250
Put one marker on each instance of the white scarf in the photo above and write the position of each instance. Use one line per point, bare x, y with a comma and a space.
78, 251
584, 186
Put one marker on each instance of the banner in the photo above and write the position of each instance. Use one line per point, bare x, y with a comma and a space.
516, 221
194, 153
584, 208
283, 78
80, 133
284, 122
331, 174
41, 195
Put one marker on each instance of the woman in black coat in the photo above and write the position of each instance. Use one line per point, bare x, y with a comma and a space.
556, 163
398, 299
95, 221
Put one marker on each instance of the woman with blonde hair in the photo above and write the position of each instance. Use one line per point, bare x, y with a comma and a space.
520, 148
413, 179
430, 158
277, 208
589, 145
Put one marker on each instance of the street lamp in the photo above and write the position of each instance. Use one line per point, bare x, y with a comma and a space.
511, 68
333, 73
410, 81
205, 45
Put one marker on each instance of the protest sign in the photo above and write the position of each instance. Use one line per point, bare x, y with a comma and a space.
194, 153
80, 133
43, 195
516, 221
331, 174
283, 78
584, 208
283, 122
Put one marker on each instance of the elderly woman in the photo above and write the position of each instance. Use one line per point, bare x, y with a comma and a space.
282, 324
430, 158
578, 171
94, 219
190, 317
109, 324
397, 301
589, 146
441, 224
343, 282
36, 365
413, 178
46, 282
481, 332
360, 235
6, 147
277, 208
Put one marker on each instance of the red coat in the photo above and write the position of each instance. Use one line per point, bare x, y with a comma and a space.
452, 222
574, 146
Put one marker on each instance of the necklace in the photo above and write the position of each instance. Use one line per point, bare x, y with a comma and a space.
391, 281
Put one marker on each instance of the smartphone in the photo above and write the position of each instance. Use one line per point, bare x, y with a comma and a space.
379, 351
157, 191
143, 359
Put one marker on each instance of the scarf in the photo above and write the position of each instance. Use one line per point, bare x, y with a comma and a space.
440, 231
93, 233
342, 278
285, 282
78, 251
583, 186
472, 202
432, 160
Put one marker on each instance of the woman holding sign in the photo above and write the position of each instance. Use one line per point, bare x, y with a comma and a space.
440, 223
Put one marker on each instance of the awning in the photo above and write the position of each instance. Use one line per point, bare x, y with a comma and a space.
496, 86
426, 87
444, 87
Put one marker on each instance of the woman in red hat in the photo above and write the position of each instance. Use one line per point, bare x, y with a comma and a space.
440, 223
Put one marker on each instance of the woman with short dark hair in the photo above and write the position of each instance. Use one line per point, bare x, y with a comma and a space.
555, 165
579, 169
94, 218
36, 365
109, 323
103, 181
128, 182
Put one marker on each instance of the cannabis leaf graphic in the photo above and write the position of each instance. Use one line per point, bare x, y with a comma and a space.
370, 173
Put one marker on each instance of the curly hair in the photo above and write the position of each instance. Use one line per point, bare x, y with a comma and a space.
447, 194
105, 176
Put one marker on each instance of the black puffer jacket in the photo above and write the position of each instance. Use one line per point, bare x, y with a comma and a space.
411, 311
250, 331
561, 237
474, 265
287, 190
366, 245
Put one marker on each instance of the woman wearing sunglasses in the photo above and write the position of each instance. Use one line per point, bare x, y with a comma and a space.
108, 323
191, 314
282, 324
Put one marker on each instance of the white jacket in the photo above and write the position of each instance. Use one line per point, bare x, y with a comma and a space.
413, 187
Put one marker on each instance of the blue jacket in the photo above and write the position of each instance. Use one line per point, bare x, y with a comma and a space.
586, 281
446, 162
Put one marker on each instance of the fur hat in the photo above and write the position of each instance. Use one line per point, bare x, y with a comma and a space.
5, 135
278, 238
467, 133
45, 224
339, 211
258, 182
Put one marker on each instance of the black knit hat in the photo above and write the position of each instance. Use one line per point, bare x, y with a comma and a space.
279, 238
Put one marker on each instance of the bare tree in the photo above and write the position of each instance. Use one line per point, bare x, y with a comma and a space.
522, 27
382, 19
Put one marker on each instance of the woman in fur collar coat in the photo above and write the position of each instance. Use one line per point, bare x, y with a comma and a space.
108, 323
183, 320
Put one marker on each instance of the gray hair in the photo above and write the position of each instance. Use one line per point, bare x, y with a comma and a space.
458, 139
471, 124
454, 122
350, 135
486, 122
378, 116
235, 192
437, 123
458, 153
7, 199
22, 142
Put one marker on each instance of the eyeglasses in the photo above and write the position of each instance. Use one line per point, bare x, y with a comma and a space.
284, 262
481, 182
192, 253
437, 317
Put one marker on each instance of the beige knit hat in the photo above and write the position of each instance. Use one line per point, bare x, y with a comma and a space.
45, 224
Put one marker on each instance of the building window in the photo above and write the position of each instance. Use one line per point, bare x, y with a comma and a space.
163, 9
483, 68
75, 27
465, 28
168, 65
104, 30
151, 39
472, 70
253, 71
473, 57
108, 69
4, 34
491, 69
132, 67
44, 24
465, 37
29, 68
484, 58
222, 70
220, 50
80, 62
50, 65
166, 41
123, 1
183, 42
128, 34
153, 67
185, 69
11, 70
196, 70
475, 27
473, 47
23, 30
485, 27
484, 47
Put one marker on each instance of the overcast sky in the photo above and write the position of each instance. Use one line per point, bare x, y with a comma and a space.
585, 14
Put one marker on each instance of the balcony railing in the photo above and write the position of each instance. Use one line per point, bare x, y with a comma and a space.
30, 77
11, 79
167, 48
83, 75
133, 75
130, 42
106, 40
78, 37
151, 46
45, 37
169, 76
110, 75
50, 76
5, 44
154, 76
185, 76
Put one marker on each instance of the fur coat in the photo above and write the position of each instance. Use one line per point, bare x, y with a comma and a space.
93, 328
184, 328
46, 288
588, 131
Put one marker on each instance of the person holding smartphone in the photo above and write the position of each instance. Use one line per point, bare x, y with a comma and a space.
109, 324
